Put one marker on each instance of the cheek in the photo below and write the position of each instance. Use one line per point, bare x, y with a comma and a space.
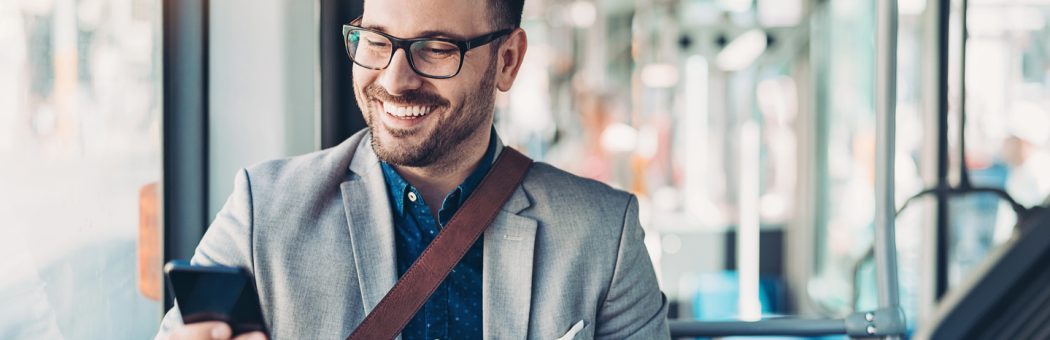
457, 92
360, 82
363, 77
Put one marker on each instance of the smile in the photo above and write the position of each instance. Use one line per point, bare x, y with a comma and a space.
406, 112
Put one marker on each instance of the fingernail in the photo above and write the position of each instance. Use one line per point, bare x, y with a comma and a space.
219, 333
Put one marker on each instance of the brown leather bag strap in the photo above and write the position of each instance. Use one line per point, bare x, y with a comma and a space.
410, 293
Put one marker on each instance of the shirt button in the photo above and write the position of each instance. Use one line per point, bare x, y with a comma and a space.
411, 196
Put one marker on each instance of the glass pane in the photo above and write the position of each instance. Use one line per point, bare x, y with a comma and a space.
844, 280
846, 102
80, 144
1007, 125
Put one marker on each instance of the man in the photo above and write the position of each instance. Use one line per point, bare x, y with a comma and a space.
327, 234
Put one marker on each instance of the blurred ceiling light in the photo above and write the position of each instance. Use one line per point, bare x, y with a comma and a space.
779, 13
659, 75
582, 14
619, 137
736, 6
742, 51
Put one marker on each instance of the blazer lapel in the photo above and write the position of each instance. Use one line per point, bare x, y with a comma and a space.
508, 249
507, 273
371, 226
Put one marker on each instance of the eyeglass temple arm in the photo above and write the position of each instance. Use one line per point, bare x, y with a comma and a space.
485, 39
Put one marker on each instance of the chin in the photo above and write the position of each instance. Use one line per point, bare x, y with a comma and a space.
393, 149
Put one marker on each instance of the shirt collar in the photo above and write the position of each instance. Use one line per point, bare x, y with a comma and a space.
397, 185
479, 172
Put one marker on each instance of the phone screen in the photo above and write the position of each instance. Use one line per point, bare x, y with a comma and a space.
212, 293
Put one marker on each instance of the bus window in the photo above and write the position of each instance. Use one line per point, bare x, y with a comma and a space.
80, 145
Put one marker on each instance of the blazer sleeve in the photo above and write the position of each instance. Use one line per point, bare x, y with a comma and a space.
634, 308
227, 242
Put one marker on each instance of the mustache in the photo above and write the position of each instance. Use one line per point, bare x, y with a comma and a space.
409, 98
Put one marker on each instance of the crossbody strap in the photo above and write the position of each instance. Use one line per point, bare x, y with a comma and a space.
414, 288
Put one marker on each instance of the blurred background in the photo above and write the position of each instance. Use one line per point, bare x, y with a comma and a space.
122, 123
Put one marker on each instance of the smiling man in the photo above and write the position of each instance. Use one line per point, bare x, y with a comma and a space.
327, 235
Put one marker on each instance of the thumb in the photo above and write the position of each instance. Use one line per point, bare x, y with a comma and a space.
215, 330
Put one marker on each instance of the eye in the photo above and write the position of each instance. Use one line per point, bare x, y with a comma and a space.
440, 51
436, 50
377, 43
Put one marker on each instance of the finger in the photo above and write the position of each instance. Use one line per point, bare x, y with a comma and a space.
215, 330
251, 336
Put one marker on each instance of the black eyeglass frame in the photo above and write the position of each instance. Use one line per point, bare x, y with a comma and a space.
406, 44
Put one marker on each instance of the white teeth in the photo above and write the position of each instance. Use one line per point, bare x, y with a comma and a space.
406, 111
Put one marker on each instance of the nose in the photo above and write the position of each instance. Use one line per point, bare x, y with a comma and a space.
398, 77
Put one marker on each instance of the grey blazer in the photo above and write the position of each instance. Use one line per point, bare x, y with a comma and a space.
563, 259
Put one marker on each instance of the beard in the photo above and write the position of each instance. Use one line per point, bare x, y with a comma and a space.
453, 128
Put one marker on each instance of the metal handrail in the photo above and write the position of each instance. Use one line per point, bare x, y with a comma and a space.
886, 107
797, 327
882, 322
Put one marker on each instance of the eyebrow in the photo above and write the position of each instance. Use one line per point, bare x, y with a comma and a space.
424, 34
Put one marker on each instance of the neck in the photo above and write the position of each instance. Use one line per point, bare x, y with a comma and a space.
437, 180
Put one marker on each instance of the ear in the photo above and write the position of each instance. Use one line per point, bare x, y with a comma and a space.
511, 53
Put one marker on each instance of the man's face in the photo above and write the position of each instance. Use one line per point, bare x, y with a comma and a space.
417, 121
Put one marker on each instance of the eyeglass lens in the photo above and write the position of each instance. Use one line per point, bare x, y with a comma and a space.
430, 57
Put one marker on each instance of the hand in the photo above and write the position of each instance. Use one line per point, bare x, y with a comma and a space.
210, 330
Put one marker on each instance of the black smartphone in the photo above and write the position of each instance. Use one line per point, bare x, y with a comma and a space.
214, 293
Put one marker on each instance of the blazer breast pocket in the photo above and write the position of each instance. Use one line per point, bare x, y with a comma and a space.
580, 330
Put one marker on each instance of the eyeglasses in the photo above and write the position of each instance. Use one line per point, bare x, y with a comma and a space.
436, 58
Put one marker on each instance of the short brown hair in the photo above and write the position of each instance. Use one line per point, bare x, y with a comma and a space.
506, 13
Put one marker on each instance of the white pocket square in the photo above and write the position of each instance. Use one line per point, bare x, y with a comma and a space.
572, 331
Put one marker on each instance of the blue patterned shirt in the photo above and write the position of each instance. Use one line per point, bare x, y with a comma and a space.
454, 310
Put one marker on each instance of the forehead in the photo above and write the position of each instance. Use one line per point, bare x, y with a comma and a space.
458, 19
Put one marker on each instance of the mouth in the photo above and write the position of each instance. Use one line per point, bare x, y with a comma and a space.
407, 112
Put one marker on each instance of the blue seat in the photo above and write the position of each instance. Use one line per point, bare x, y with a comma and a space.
717, 294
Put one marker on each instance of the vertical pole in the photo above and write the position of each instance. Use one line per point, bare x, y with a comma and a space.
185, 125
885, 108
964, 173
749, 306
934, 156
942, 233
820, 52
